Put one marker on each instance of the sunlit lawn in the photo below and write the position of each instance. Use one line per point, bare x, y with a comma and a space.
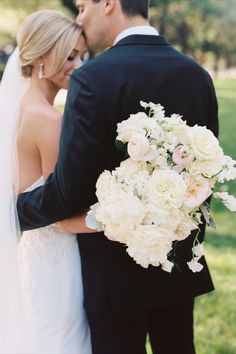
215, 313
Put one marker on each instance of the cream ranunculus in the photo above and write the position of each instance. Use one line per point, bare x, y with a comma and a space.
139, 148
150, 245
205, 145
166, 188
198, 190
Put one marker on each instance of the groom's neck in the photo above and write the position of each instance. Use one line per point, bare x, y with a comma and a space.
127, 22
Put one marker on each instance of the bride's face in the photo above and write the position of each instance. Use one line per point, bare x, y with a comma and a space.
74, 61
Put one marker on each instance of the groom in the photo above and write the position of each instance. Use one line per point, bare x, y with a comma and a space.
124, 301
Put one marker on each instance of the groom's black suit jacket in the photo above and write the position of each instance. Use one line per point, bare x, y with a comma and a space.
101, 94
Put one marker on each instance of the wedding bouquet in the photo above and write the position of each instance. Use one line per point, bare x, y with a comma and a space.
157, 196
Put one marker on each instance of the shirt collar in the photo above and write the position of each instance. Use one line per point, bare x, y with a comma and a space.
143, 30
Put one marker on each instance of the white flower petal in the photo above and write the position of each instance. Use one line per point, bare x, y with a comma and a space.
228, 200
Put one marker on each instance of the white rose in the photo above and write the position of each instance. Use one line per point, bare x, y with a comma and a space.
120, 215
205, 145
166, 188
150, 245
208, 168
197, 192
139, 148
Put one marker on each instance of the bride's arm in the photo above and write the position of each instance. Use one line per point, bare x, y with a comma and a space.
75, 224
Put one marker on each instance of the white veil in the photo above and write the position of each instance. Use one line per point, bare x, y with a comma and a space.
12, 323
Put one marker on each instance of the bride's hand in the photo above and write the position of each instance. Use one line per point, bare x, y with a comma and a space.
75, 224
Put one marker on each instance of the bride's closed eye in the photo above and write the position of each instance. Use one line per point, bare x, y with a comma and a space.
83, 56
71, 58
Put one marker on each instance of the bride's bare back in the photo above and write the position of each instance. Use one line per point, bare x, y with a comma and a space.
37, 138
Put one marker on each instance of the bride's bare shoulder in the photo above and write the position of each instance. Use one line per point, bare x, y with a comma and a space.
36, 112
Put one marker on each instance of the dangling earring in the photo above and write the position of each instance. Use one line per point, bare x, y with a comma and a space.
40, 75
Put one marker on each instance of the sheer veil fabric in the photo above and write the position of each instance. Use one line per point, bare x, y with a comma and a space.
12, 322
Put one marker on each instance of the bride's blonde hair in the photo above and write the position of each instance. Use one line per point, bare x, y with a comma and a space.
45, 31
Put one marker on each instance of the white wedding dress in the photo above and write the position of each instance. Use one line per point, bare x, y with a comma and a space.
50, 273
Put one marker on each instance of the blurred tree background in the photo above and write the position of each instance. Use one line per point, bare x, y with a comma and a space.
203, 29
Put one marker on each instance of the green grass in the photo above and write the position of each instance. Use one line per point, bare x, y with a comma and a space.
215, 313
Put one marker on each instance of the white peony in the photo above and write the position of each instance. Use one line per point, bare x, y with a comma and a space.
162, 217
119, 215
103, 184
204, 144
166, 188
150, 245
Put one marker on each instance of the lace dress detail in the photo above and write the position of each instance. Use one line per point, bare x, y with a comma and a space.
52, 287
47, 245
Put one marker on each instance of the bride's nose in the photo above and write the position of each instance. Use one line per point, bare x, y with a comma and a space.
78, 20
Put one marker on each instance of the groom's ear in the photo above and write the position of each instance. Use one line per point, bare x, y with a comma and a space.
109, 6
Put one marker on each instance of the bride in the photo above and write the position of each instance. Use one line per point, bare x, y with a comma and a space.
41, 293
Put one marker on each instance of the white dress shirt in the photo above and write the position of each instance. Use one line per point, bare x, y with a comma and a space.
143, 30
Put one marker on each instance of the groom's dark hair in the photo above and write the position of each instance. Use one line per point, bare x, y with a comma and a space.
134, 7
